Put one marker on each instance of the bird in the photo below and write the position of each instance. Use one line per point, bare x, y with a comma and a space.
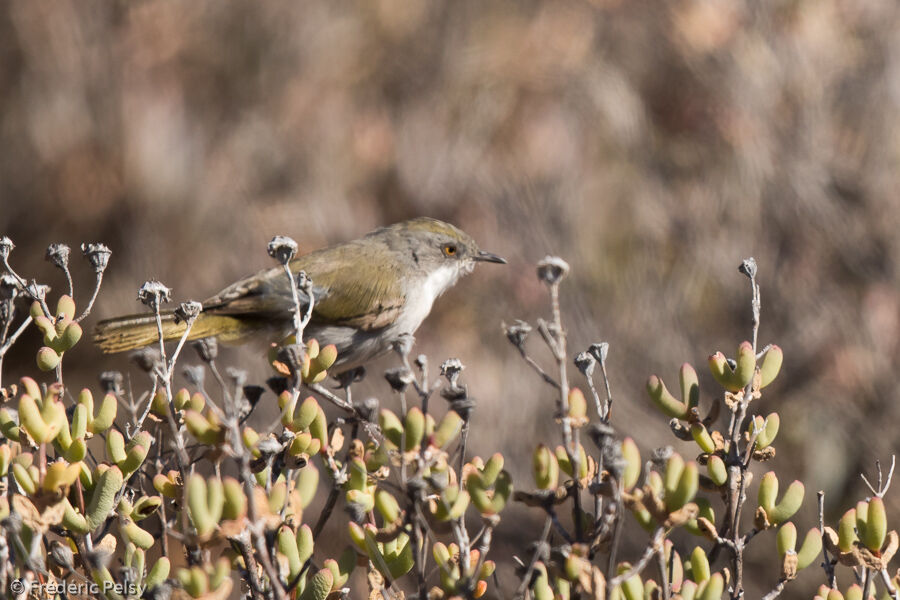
367, 294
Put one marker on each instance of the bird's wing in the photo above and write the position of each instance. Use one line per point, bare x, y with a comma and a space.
370, 296
367, 298
264, 294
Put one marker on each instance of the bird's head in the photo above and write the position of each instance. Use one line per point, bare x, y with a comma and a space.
436, 246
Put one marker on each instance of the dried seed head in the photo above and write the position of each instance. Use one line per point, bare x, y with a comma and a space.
451, 393
368, 410
540, 550
451, 368
161, 591
304, 283
6, 246
601, 434
58, 255
789, 565
12, 524
350, 376
97, 255
748, 267
36, 291
187, 311
128, 575
153, 294
286, 437
398, 378
438, 480
111, 382
9, 287
195, 374
292, 355
282, 249
270, 446
416, 486
146, 359
517, 333
552, 270
599, 352
98, 559
207, 349
614, 460
463, 407
403, 344
585, 363
237, 376
660, 455
355, 512
62, 555
9, 290
35, 561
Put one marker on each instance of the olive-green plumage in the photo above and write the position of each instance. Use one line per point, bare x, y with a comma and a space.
366, 292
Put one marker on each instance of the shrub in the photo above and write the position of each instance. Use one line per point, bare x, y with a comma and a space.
183, 497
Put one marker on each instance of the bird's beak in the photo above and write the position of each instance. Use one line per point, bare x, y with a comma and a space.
483, 256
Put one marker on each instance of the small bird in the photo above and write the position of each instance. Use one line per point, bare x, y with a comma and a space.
367, 293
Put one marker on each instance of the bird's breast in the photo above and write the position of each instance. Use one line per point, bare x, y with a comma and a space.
356, 346
421, 295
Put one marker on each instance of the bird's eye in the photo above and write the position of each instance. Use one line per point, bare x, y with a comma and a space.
449, 249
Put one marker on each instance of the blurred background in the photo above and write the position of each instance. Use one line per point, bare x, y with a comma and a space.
653, 145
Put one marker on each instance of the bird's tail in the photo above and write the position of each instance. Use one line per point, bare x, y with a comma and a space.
135, 331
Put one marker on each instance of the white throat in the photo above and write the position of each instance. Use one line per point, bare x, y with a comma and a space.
422, 295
